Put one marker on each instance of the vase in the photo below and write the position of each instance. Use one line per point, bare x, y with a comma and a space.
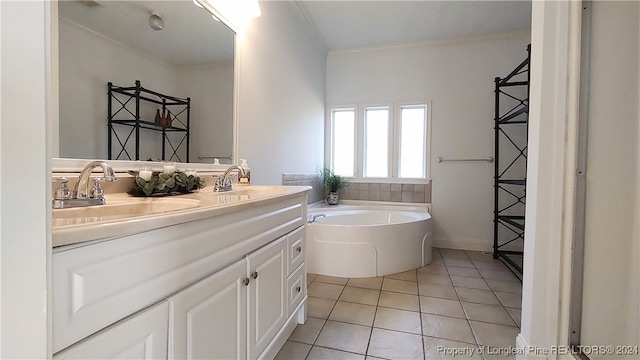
332, 198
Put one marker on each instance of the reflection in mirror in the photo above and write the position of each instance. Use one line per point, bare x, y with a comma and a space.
118, 42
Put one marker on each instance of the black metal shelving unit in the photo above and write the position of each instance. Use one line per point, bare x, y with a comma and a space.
126, 113
511, 132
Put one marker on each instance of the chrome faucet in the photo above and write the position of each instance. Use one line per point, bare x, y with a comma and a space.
224, 183
312, 218
81, 194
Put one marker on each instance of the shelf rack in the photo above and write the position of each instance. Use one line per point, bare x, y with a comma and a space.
511, 131
179, 110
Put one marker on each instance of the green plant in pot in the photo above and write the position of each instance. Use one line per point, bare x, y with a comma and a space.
332, 184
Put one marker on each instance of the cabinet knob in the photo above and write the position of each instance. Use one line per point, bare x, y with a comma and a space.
246, 281
254, 275
299, 249
298, 288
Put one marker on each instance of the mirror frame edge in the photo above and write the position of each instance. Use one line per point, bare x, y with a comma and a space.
59, 164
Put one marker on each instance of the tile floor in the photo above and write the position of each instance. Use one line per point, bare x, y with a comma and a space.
462, 302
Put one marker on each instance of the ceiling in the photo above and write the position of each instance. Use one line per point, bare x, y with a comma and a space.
190, 35
356, 24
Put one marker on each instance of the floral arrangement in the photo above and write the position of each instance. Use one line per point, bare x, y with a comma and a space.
162, 183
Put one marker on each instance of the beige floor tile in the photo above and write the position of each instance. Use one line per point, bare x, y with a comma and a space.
439, 291
446, 307
488, 313
515, 315
458, 262
504, 275
436, 349
479, 255
469, 282
310, 278
463, 271
293, 351
407, 276
360, 295
453, 254
321, 353
389, 344
437, 260
489, 264
477, 296
401, 286
399, 301
368, 283
510, 299
434, 268
331, 280
358, 314
499, 336
431, 278
445, 327
325, 291
505, 286
400, 320
343, 336
319, 308
307, 332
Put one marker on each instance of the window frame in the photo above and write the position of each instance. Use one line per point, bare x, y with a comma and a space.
394, 137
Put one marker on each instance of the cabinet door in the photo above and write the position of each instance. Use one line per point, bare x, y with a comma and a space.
267, 294
209, 317
143, 336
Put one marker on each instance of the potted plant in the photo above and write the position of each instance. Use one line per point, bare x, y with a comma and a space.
332, 184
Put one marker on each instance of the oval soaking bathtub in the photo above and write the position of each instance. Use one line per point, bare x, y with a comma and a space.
367, 241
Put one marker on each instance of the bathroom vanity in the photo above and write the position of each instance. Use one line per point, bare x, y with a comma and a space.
218, 276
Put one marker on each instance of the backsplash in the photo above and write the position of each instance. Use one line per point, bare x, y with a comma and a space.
313, 180
409, 193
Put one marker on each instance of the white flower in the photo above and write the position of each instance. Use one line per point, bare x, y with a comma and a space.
145, 175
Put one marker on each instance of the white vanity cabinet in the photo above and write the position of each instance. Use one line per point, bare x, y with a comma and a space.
143, 336
226, 282
209, 317
239, 306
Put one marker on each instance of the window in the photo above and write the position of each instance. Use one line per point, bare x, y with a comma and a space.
380, 141
376, 140
343, 130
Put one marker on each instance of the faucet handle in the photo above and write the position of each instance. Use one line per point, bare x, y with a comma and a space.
97, 192
63, 191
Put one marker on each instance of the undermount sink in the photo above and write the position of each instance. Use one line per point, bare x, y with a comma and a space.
130, 207
248, 191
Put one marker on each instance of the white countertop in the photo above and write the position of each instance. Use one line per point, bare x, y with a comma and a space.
87, 226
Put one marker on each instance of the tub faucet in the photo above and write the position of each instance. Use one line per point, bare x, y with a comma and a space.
223, 182
312, 218
81, 195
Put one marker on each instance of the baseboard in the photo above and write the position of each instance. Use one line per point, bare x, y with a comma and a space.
471, 245
463, 244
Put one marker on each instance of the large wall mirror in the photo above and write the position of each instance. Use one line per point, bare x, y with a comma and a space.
184, 53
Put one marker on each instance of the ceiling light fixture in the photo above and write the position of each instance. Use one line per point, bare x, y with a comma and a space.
155, 21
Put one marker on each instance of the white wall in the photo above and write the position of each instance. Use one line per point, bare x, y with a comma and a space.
88, 61
458, 79
282, 95
24, 181
610, 306
211, 109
